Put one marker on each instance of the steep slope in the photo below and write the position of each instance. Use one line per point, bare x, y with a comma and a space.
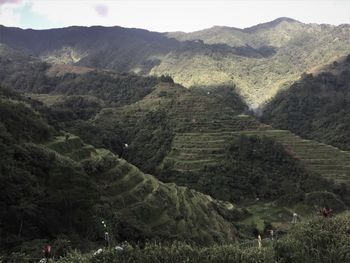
202, 134
115, 47
29, 74
193, 128
151, 123
271, 34
193, 152
317, 106
291, 48
173, 129
328, 161
259, 61
53, 184
150, 208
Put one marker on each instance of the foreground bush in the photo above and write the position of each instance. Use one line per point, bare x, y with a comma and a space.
317, 240
177, 253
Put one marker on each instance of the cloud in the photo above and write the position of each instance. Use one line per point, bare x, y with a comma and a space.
167, 15
102, 10
2, 2
65, 13
9, 15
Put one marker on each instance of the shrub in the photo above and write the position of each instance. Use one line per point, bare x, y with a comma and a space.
318, 240
324, 199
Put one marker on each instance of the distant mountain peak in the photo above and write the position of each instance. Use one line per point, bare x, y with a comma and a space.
284, 19
271, 24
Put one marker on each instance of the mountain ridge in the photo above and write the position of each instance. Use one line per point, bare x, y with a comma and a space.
272, 22
257, 63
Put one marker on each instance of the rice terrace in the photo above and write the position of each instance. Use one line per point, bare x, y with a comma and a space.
174, 131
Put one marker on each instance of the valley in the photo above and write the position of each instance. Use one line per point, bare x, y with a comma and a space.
187, 146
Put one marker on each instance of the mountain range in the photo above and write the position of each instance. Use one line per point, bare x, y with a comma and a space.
258, 61
210, 137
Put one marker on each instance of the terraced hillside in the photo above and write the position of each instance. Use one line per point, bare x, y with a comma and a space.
201, 124
151, 123
203, 127
142, 202
328, 161
191, 151
205, 122
317, 107
204, 142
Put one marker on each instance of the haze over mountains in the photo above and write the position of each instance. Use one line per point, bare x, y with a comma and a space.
259, 61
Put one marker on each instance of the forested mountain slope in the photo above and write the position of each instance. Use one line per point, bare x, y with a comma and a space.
316, 107
259, 60
203, 138
53, 185
288, 49
167, 128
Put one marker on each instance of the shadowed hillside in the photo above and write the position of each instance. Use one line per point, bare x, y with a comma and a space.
316, 107
53, 184
204, 138
259, 60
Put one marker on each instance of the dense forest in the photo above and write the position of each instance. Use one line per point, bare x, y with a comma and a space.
259, 60
316, 107
55, 188
138, 146
260, 168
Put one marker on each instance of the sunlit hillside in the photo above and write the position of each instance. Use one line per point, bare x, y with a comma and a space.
258, 61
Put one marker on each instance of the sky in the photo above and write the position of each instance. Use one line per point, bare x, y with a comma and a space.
168, 15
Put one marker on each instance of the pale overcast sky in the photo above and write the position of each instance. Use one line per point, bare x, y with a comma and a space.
168, 15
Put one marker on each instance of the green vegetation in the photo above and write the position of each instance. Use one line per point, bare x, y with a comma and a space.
284, 49
149, 125
252, 167
42, 194
112, 88
328, 161
29, 74
259, 61
150, 141
56, 188
62, 144
316, 107
315, 240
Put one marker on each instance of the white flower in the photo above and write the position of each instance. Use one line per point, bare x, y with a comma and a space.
98, 251
119, 248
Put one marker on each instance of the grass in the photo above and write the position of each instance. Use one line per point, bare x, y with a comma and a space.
203, 125
153, 208
192, 150
315, 240
265, 216
328, 161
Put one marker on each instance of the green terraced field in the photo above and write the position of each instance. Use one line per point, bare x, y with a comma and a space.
193, 150
328, 161
204, 122
204, 125
155, 208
